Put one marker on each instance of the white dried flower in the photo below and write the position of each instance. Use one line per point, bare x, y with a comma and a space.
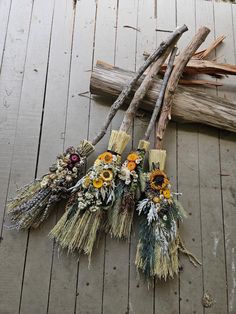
164, 217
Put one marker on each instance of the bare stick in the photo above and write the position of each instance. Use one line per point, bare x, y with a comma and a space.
143, 88
128, 88
161, 95
181, 62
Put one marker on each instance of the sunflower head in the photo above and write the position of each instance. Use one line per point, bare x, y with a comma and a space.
157, 179
98, 183
107, 157
132, 157
106, 175
131, 165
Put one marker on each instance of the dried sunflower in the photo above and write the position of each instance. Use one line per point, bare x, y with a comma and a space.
157, 179
98, 183
107, 157
106, 175
132, 157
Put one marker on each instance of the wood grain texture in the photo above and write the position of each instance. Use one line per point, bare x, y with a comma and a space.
117, 258
190, 105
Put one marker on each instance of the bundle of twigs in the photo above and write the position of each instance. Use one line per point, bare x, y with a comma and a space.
33, 203
94, 194
159, 240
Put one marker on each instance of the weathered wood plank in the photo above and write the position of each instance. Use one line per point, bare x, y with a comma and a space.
90, 281
10, 86
191, 281
26, 133
146, 39
213, 261
167, 293
224, 23
116, 271
65, 267
39, 252
5, 7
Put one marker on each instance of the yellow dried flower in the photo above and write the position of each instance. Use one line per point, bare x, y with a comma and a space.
167, 193
98, 183
157, 179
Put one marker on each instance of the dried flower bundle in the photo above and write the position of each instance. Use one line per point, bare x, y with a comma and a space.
93, 195
157, 251
35, 201
130, 179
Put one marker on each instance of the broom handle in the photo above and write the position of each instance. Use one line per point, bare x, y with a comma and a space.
128, 88
180, 64
161, 95
143, 88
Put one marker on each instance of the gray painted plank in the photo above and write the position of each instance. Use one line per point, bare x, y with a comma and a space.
90, 281
116, 257
191, 281
213, 249
225, 24
167, 293
64, 268
39, 253
10, 86
5, 7
12, 253
146, 41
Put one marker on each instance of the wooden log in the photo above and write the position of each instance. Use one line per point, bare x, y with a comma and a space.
190, 105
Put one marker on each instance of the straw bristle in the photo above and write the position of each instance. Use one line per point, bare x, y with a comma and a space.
85, 148
157, 156
143, 145
118, 141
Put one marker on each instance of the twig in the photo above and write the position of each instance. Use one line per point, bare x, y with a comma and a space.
181, 62
161, 95
128, 88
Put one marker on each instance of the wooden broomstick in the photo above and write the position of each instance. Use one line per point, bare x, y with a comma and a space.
94, 194
34, 202
131, 179
159, 239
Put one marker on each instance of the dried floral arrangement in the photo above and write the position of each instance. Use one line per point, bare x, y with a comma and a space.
36, 200
131, 180
157, 254
79, 227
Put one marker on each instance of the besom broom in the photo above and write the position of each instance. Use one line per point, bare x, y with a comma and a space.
159, 244
34, 202
131, 178
94, 194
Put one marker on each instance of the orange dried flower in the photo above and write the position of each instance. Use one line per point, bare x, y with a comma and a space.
132, 157
107, 157
131, 165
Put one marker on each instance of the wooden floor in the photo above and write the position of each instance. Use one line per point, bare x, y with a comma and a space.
47, 51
